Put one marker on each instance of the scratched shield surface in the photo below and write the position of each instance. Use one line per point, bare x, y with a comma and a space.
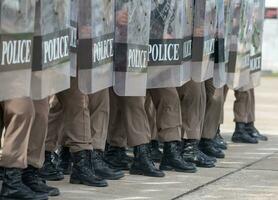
51, 63
204, 28
73, 37
95, 50
131, 47
17, 19
220, 73
240, 43
256, 45
169, 34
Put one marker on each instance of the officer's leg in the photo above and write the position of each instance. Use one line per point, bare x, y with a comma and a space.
192, 97
156, 154
242, 107
214, 99
115, 153
36, 149
169, 123
77, 132
99, 112
251, 129
18, 118
50, 170
138, 135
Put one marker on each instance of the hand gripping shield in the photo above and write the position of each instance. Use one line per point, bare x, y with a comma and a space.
204, 27
131, 47
17, 19
51, 64
169, 33
240, 43
256, 45
95, 46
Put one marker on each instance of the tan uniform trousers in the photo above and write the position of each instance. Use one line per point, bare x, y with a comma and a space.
161, 120
36, 146
244, 106
97, 108
18, 117
201, 109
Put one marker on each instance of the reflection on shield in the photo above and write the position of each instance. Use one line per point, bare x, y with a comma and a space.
95, 48
203, 40
131, 47
17, 20
240, 43
51, 64
170, 43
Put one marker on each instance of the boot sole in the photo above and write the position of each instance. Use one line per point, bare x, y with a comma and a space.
139, 172
169, 168
112, 178
244, 142
78, 182
205, 166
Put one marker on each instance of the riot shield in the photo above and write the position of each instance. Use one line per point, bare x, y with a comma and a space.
220, 74
73, 37
17, 19
95, 48
204, 27
51, 63
166, 67
240, 43
256, 45
131, 47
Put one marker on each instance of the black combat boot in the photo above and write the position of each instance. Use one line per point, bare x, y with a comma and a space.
219, 141
30, 177
172, 159
50, 170
117, 158
13, 188
1, 173
156, 154
143, 164
65, 163
207, 146
191, 153
83, 171
102, 169
242, 136
251, 129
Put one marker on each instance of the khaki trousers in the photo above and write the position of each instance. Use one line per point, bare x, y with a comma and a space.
77, 126
18, 117
244, 106
193, 106
214, 104
36, 146
158, 114
55, 134
99, 113
201, 109
98, 110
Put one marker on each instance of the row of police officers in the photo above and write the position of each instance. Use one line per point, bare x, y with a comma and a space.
82, 81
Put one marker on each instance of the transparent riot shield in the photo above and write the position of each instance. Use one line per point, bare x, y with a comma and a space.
95, 48
240, 43
73, 37
51, 63
17, 19
166, 67
256, 45
204, 27
220, 74
131, 47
